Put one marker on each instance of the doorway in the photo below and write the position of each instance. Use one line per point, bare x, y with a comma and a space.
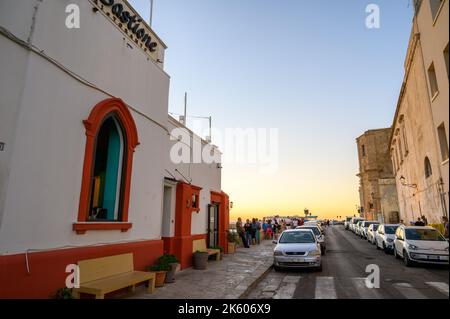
213, 225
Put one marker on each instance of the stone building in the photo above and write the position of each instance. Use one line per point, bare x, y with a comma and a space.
419, 140
377, 189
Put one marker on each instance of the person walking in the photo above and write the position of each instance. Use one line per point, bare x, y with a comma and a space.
269, 230
248, 231
253, 231
259, 231
241, 232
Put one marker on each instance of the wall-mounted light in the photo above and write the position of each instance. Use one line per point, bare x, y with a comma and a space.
403, 182
2, 146
219, 166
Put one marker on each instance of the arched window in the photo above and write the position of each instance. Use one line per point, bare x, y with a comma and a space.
111, 138
428, 170
107, 186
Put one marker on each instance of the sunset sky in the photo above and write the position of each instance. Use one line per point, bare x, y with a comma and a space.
309, 68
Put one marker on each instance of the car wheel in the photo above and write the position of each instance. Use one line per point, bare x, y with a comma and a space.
276, 268
320, 268
376, 245
406, 260
324, 251
386, 251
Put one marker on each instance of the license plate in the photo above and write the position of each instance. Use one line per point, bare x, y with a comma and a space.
432, 257
298, 260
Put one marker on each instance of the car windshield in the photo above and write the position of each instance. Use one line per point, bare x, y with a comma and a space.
390, 229
349, 219
370, 223
315, 230
297, 237
375, 226
423, 234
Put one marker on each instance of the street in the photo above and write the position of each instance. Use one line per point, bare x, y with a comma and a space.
343, 275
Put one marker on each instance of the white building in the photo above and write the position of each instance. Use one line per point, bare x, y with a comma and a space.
85, 140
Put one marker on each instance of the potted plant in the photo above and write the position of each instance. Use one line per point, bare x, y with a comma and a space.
63, 293
160, 273
233, 241
200, 260
171, 263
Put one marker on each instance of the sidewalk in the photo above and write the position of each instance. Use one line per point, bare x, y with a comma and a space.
229, 278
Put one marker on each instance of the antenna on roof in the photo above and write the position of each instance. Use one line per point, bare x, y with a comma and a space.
151, 14
183, 117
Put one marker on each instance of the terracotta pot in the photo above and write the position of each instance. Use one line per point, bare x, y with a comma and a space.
231, 248
160, 278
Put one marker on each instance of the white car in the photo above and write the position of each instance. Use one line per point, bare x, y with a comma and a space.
364, 227
319, 235
353, 223
347, 222
358, 227
371, 233
385, 236
297, 248
420, 244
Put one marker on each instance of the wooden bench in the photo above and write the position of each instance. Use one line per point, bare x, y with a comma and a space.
100, 276
200, 245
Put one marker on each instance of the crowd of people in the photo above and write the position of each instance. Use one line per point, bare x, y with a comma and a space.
253, 231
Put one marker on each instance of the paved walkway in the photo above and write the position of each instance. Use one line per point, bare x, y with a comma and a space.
229, 278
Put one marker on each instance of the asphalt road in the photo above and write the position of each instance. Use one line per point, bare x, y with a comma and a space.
344, 273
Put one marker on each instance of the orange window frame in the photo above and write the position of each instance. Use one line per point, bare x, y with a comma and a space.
92, 125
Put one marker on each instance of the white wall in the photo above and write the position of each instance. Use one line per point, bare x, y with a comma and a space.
204, 175
44, 157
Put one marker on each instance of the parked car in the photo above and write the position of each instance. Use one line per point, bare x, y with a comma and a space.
297, 248
384, 237
347, 223
364, 226
358, 227
353, 222
319, 235
315, 223
420, 244
371, 233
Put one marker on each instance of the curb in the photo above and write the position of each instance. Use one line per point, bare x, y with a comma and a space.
255, 283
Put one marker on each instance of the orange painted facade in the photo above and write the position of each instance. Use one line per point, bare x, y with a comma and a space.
181, 244
47, 269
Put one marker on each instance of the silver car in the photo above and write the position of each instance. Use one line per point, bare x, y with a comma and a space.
297, 248
385, 236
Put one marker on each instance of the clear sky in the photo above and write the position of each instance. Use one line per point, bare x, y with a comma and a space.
310, 68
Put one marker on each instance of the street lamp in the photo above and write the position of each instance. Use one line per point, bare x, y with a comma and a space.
403, 182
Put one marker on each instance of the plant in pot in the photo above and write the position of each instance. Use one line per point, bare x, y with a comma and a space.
233, 241
200, 260
63, 293
160, 273
171, 262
